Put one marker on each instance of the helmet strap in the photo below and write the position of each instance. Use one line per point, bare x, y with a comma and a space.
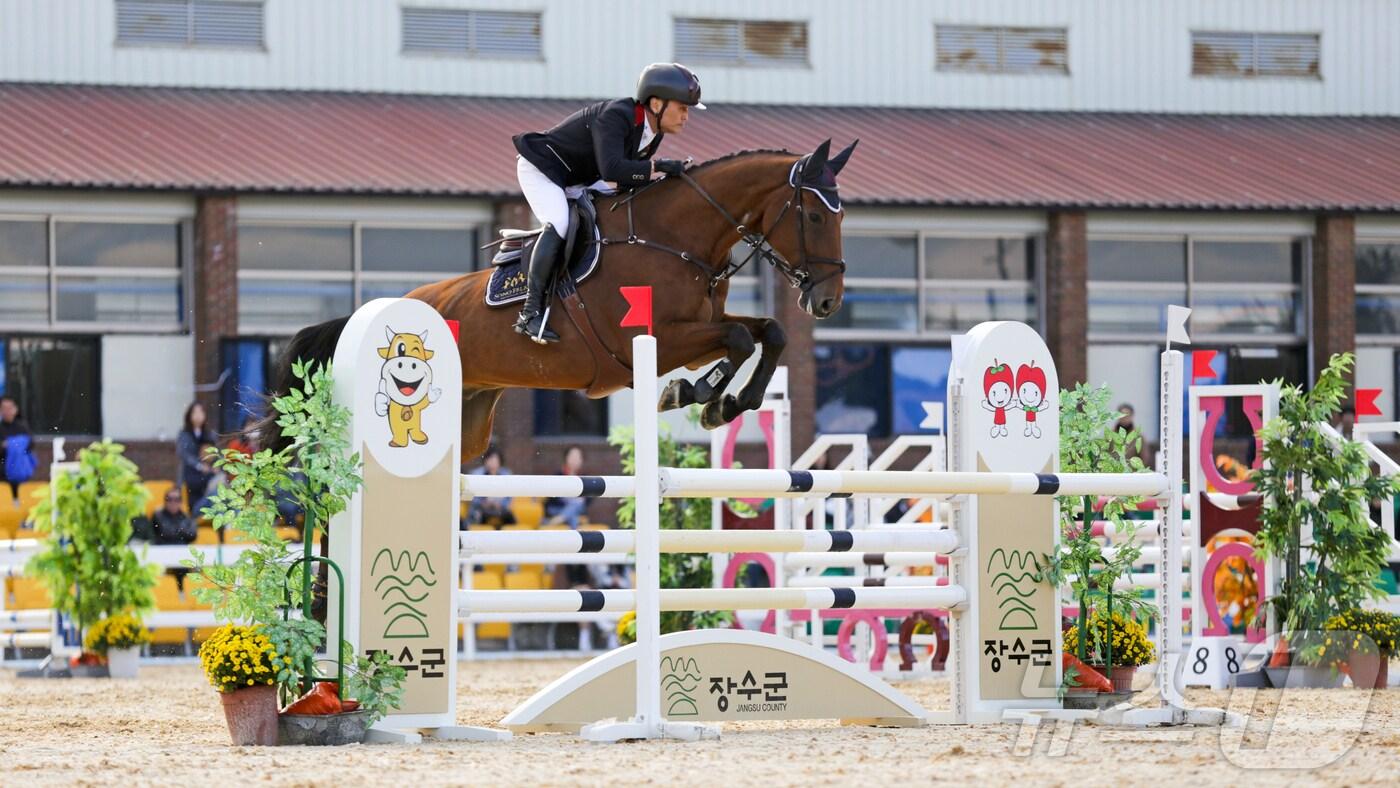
665, 103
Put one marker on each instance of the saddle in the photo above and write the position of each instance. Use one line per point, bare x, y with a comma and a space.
581, 251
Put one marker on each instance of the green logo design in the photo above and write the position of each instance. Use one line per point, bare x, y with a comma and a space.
1013, 582
400, 576
680, 677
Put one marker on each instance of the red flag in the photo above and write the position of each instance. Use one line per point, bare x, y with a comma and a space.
638, 307
456, 328
1200, 364
1366, 402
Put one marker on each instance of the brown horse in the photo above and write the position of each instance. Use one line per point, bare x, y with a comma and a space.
675, 235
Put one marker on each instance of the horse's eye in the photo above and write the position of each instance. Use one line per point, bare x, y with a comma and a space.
816, 217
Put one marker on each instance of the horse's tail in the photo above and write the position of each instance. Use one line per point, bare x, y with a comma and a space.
311, 344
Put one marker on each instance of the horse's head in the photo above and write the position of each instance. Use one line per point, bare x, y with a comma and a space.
811, 239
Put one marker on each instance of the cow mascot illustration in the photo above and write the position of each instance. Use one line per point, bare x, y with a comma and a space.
405, 386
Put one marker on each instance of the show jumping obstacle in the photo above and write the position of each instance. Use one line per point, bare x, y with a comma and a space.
398, 542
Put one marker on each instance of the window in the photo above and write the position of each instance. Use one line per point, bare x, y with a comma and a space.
1002, 50
878, 390
1378, 291
1246, 55
52, 378
292, 275
203, 23
934, 285
116, 272
740, 42
471, 33
569, 413
1132, 280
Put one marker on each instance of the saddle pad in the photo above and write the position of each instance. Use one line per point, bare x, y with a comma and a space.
507, 285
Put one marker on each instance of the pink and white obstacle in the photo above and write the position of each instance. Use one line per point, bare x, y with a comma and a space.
397, 368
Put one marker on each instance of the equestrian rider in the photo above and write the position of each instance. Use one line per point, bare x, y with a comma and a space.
608, 141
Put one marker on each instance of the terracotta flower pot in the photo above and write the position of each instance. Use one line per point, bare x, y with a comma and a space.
251, 714
1122, 677
1368, 670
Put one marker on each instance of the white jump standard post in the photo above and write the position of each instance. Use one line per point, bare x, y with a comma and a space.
648, 722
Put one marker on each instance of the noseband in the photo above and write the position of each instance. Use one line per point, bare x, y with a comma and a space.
799, 276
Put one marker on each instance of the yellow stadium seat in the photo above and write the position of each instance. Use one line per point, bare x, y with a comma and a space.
195, 581
7, 498
206, 535
556, 527
167, 593
289, 534
30, 594
10, 517
497, 571
527, 511
30, 493
521, 527
594, 527
524, 581
490, 581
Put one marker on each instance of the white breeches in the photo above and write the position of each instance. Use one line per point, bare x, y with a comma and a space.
547, 200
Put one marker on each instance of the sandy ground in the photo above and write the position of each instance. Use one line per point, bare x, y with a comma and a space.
167, 727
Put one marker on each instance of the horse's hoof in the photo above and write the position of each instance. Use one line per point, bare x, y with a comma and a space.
678, 394
720, 412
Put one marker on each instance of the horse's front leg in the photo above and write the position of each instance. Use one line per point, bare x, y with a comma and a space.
769, 333
693, 343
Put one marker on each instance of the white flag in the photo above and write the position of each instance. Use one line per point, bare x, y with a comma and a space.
1176, 324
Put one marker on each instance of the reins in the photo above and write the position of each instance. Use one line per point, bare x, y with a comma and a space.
800, 277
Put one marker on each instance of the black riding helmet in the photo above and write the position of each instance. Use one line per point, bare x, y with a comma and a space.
670, 82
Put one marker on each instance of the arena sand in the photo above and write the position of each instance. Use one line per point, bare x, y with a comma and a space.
167, 728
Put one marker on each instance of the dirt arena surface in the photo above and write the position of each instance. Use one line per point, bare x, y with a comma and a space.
167, 728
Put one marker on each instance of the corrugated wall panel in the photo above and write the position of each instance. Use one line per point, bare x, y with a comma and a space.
1124, 55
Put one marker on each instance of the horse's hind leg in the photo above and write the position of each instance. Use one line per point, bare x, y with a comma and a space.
478, 411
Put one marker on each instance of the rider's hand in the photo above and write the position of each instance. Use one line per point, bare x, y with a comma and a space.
668, 166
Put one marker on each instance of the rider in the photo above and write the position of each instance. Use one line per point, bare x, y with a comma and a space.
608, 141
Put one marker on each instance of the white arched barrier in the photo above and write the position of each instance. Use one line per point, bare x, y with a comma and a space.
397, 367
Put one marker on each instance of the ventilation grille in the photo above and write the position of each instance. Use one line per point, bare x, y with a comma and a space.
741, 42
213, 23
468, 33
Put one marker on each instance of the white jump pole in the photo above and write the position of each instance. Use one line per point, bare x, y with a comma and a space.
925, 540
706, 482
948, 597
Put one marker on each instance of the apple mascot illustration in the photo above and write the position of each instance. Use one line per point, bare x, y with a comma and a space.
998, 386
1030, 393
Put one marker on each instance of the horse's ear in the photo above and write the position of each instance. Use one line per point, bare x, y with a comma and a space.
817, 160
839, 160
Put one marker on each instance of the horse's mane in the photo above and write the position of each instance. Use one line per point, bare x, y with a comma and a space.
740, 154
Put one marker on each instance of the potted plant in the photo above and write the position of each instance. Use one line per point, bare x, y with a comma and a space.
270, 587
1314, 485
1360, 643
1116, 647
678, 570
241, 663
119, 638
87, 565
1090, 442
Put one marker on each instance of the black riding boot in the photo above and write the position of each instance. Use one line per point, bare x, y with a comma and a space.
548, 246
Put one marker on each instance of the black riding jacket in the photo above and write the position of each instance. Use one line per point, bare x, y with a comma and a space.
599, 142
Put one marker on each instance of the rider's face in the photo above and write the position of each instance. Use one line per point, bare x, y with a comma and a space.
675, 117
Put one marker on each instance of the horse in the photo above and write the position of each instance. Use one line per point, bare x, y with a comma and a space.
674, 235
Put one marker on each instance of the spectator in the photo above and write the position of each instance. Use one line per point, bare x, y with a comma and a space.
567, 510
171, 524
1126, 425
15, 437
490, 511
195, 470
243, 440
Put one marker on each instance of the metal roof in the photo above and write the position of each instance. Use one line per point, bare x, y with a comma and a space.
362, 143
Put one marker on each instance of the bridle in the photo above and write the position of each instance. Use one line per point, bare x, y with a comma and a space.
800, 276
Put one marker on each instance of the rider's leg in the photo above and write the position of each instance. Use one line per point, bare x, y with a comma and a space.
550, 206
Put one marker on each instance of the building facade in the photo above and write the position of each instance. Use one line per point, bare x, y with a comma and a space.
184, 183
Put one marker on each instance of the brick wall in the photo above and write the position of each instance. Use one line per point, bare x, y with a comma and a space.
214, 306
1067, 295
1333, 288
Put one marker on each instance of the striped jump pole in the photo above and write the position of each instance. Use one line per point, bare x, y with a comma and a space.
741, 483
928, 541
548, 486
620, 601
843, 560
856, 581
